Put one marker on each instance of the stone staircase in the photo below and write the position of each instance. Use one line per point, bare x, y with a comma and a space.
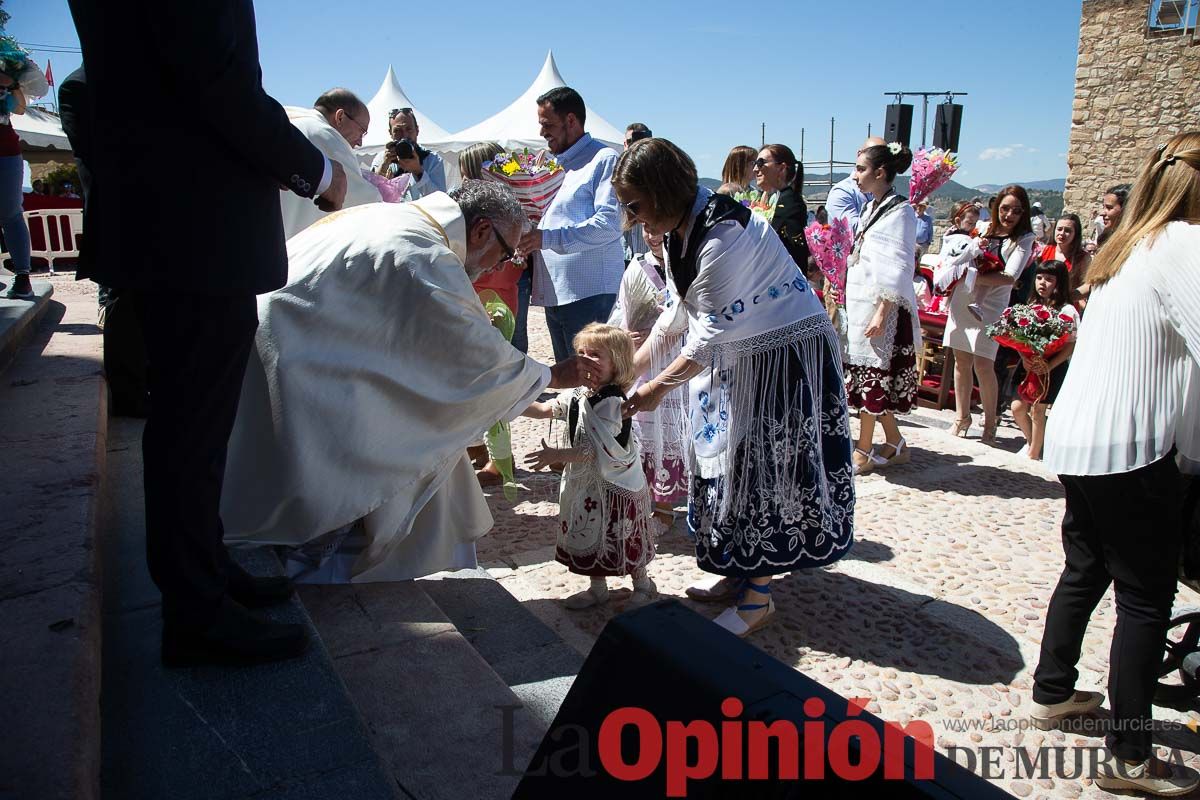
438, 688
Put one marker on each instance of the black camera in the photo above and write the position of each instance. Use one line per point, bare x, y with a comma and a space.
403, 148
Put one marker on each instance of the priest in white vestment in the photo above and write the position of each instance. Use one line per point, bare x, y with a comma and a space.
374, 368
336, 126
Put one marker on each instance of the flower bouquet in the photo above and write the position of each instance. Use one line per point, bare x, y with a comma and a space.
391, 190
931, 169
830, 245
759, 202
534, 177
1033, 331
499, 437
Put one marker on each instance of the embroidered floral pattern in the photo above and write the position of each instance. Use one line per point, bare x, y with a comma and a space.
808, 524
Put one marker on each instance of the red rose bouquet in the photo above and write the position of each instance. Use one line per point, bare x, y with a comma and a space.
1033, 331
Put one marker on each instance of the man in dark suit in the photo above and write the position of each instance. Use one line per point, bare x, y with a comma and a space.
194, 256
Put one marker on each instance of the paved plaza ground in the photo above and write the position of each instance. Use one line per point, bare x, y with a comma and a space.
936, 613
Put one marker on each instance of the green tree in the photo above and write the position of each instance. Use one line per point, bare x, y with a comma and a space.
4, 17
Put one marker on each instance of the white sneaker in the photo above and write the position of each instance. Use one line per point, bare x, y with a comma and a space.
1046, 717
1121, 776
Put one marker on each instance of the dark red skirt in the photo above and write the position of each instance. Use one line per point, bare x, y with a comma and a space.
878, 391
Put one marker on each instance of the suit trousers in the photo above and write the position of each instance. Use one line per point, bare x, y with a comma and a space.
197, 349
1124, 529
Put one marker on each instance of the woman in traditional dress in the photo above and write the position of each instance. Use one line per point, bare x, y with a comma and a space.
882, 327
639, 304
769, 438
979, 303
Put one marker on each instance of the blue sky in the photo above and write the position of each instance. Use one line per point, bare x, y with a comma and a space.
695, 71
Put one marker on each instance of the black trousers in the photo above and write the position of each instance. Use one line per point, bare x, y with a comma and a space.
1125, 529
197, 348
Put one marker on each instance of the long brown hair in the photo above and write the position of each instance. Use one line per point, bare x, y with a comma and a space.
1025, 225
1167, 189
738, 165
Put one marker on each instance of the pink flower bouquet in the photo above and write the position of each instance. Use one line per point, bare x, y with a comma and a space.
830, 245
931, 169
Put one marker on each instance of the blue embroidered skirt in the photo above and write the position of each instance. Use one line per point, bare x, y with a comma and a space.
768, 533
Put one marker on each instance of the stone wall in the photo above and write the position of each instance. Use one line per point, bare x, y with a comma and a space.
1132, 92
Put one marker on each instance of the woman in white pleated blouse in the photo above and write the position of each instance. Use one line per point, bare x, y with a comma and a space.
1127, 410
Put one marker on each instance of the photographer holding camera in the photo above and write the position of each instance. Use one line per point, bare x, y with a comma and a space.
403, 155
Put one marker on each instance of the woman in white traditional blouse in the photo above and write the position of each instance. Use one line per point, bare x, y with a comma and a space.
979, 300
1127, 409
882, 328
768, 441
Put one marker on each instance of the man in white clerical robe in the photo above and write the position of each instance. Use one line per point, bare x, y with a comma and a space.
336, 125
374, 368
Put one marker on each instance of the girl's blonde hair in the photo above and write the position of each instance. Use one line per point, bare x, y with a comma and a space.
1167, 189
471, 160
619, 346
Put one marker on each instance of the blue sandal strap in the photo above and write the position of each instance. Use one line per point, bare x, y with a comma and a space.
754, 607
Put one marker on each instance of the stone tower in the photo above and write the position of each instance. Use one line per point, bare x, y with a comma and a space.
1137, 82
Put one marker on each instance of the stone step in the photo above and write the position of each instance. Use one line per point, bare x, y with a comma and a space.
445, 723
285, 730
526, 653
19, 318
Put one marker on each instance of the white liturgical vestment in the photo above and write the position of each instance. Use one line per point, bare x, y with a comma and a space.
300, 212
374, 368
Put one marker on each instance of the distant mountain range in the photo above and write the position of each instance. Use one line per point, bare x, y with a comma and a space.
1049, 193
1054, 185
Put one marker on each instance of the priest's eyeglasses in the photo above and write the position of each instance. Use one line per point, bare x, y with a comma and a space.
509, 253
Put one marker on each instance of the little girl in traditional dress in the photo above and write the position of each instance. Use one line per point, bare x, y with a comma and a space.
604, 500
640, 301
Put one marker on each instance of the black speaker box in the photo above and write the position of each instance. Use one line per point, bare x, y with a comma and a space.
897, 127
675, 667
946, 126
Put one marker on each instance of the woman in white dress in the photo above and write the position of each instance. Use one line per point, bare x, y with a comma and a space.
979, 300
1125, 414
882, 328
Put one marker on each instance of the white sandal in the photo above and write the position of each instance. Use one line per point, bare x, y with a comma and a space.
732, 621
585, 599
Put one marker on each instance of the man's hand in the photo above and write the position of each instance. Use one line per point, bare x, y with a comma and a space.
575, 371
538, 459
531, 241
412, 166
638, 337
335, 195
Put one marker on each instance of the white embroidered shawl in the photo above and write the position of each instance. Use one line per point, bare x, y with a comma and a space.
881, 268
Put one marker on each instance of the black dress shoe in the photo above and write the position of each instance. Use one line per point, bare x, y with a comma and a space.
255, 591
237, 637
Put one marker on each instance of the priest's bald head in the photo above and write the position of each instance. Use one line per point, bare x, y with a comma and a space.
494, 220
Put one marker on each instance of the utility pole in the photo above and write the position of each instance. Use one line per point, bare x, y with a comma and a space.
802, 145
924, 104
764, 136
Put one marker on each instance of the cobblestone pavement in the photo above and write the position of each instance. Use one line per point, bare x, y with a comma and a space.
936, 613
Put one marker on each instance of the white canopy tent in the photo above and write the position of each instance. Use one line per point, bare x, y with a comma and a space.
41, 132
390, 96
517, 126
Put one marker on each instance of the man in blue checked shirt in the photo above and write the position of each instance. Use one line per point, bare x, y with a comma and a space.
581, 254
